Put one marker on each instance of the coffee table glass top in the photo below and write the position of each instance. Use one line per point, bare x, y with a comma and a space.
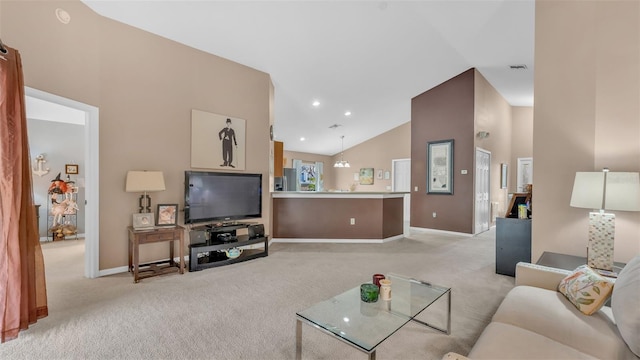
366, 325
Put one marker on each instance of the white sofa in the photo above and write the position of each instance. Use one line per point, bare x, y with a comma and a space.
535, 321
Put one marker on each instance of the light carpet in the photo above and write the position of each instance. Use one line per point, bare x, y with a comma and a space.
247, 310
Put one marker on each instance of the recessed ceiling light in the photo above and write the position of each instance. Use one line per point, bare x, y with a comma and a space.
302, 139
348, 113
316, 103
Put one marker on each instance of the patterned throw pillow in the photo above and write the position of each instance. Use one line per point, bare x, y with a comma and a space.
586, 289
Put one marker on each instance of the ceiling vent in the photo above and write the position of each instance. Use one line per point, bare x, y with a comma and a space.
518, 67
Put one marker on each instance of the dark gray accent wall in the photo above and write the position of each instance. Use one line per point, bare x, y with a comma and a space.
441, 113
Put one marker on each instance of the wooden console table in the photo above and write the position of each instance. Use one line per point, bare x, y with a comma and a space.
138, 237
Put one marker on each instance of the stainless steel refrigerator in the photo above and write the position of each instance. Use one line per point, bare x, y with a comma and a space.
290, 180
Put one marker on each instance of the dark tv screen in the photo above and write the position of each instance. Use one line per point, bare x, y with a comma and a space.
218, 196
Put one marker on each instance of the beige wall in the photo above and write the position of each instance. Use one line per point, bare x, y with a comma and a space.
521, 141
494, 114
586, 115
376, 153
145, 87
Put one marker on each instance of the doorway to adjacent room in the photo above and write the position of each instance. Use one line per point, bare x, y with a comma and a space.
91, 160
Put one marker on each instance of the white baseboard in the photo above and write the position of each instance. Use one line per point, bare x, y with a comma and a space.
436, 231
338, 241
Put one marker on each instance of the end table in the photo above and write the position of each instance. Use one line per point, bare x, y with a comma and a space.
158, 234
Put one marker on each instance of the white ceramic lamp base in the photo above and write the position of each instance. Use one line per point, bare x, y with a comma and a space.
601, 235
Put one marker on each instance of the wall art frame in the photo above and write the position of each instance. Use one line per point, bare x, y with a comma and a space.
366, 176
167, 215
440, 167
217, 141
71, 169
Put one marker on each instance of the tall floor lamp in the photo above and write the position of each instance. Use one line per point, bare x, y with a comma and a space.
601, 191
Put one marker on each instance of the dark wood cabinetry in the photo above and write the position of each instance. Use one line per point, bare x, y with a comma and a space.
513, 244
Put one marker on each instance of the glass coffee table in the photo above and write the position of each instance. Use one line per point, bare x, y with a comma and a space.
366, 325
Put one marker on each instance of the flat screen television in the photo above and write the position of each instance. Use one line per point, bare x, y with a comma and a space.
220, 196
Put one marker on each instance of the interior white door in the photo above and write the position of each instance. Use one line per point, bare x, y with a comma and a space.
401, 181
482, 192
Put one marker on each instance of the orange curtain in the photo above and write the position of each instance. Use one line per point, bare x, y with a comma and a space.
23, 294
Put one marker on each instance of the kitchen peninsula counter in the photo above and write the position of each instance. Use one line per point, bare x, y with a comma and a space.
337, 216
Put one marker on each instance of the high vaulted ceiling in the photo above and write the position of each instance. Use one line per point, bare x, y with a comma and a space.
366, 57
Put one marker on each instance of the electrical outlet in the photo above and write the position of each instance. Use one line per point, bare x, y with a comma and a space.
434, 214
353, 221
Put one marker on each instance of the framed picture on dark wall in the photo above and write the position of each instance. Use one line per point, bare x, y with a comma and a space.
440, 167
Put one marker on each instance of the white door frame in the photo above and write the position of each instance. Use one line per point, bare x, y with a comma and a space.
407, 197
91, 157
477, 227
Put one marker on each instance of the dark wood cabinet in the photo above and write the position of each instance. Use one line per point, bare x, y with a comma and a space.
513, 244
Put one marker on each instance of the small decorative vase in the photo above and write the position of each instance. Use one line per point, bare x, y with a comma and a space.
369, 292
385, 289
377, 278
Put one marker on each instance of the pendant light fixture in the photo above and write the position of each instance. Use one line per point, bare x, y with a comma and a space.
342, 162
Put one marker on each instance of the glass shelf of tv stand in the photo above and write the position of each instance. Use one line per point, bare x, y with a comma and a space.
215, 258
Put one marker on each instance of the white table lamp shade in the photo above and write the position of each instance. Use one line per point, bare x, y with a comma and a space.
623, 191
588, 190
145, 181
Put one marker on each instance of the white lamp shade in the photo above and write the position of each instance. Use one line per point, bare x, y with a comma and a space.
621, 192
588, 188
140, 181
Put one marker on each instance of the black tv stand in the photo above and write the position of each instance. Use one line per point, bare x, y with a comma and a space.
221, 237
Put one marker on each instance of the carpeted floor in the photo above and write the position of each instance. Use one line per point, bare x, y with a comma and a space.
247, 310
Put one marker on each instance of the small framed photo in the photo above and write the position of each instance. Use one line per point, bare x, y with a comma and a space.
143, 221
71, 169
379, 173
387, 175
167, 215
